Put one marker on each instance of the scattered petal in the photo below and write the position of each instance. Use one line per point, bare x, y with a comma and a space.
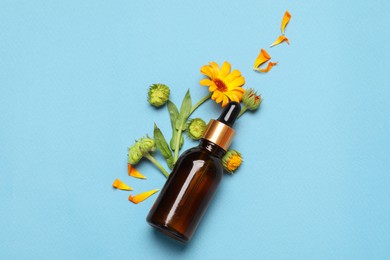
261, 58
280, 39
133, 172
285, 20
118, 184
142, 196
268, 68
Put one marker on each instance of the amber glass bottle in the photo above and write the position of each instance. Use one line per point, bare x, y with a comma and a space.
194, 180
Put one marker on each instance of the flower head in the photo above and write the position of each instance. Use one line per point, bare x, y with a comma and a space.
231, 161
224, 85
141, 147
146, 145
196, 128
158, 94
251, 100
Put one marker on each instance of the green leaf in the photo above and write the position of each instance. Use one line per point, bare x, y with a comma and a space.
170, 163
173, 113
161, 143
185, 111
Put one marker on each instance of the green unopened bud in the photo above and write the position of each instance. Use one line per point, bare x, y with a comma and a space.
134, 154
251, 100
146, 145
231, 161
140, 148
196, 128
158, 94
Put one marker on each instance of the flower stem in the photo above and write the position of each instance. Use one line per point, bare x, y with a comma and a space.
242, 111
157, 164
200, 102
180, 130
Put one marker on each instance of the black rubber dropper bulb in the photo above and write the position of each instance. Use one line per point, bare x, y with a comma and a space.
230, 113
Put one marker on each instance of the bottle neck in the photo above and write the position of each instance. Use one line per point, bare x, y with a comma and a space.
212, 148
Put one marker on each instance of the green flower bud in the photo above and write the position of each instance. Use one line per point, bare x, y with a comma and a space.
196, 128
231, 161
140, 148
158, 94
134, 154
251, 100
146, 145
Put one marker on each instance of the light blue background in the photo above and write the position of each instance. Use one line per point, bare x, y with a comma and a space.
73, 78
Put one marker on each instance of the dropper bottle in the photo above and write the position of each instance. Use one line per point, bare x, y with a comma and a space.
194, 180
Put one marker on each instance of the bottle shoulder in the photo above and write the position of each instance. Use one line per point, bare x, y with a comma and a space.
201, 153
203, 157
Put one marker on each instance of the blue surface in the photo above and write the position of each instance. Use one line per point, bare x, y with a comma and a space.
73, 77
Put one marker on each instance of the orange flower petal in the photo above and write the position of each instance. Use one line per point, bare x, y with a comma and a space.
261, 58
285, 20
118, 184
133, 172
268, 68
219, 99
225, 70
212, 87
142, 196
280, 39
216, 94
205, 82
225, 101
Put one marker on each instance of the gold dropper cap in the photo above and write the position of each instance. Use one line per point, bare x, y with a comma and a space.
219, 133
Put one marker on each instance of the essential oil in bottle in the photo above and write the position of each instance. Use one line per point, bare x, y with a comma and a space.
194, 180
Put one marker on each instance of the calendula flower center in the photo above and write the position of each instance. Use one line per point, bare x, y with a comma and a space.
220, 85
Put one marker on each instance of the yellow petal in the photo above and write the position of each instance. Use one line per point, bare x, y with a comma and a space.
238, 94
212, 87
232, 96
133, 172
225, 70
269, 67
225, 101
215, 69
237, 82
229, 78
219, 98
216, 94
280, 39
142, 196
285, 20
207, 71
118, 184
205, 82
261, 58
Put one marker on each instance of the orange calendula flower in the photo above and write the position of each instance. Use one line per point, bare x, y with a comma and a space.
261, 58
224, 85
142, 196
285, 21
118, 184
280, 39
231, 161
133, 172
268, 68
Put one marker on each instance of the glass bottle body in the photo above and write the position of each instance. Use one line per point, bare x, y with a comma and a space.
186, 195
